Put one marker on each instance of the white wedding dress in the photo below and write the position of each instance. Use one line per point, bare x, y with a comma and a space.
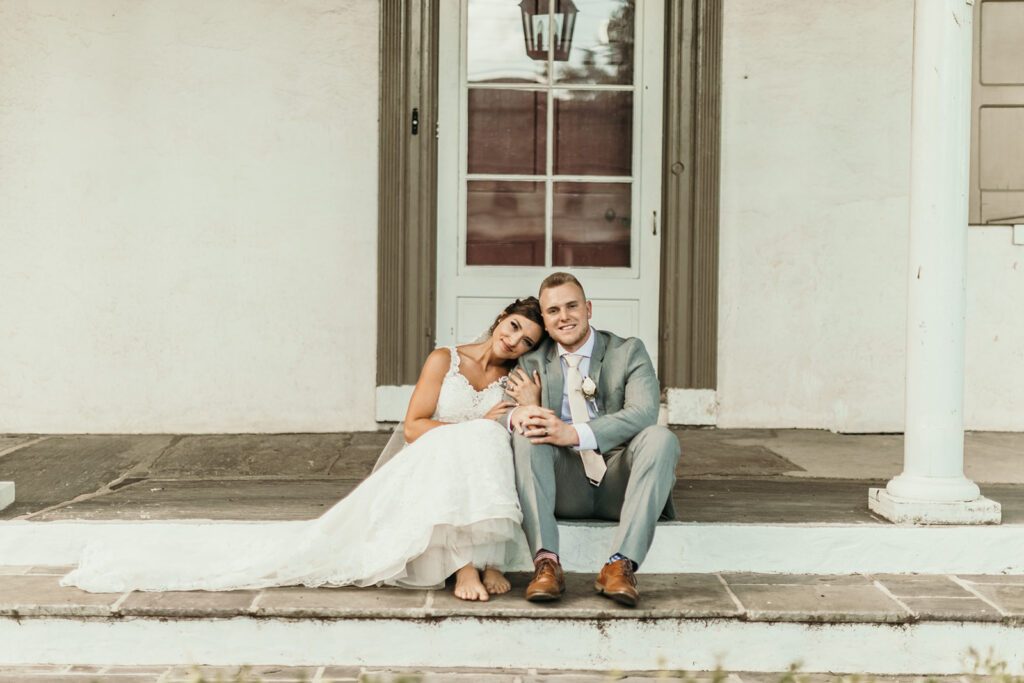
444, 501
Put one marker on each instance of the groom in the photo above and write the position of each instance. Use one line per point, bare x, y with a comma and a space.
591, 449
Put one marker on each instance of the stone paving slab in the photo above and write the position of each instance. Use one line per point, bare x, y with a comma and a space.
819, 603
184, 604
42, 596
59, 468
730, 501
299, 602
918, 586
219, 499
35, 592
239, 455
1009, 597
946, 609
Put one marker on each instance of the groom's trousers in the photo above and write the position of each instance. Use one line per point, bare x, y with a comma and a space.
552, 484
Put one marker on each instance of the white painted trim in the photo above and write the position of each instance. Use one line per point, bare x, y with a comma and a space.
602, 644
692, 406
6, 493
678, 546
1018, 235
392, 402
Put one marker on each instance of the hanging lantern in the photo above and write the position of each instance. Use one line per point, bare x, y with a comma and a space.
541, 26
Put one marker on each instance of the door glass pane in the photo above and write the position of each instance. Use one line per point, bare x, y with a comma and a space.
495, 47
602, 44
593, 132
507, 131
504, 223
591, 224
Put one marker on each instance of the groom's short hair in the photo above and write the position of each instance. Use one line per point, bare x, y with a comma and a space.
558, 279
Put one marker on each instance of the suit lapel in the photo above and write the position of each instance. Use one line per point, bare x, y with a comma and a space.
596, 362
553, 379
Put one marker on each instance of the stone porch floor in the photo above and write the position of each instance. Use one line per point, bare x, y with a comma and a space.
723, 476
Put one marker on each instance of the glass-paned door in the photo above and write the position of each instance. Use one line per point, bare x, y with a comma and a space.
549, 123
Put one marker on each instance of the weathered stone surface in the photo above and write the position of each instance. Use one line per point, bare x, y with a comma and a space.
263, 499
1016, 579
732, 452
357, 459
10, 442
1008, 596
340, 602
193, 604
14, 570
49, 571
42, 596
922, 586
198, 457
818, 603
754, 578
774, 501
951, 609
63, 467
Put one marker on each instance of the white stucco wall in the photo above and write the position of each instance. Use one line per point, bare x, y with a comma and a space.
994, 366
815, 164
815, 157
187, 215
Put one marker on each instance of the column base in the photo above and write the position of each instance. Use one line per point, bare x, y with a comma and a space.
904, 511
6, 493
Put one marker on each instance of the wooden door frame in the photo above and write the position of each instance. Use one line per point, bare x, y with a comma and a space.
407, 192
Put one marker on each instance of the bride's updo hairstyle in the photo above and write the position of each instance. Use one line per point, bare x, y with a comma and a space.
528, 308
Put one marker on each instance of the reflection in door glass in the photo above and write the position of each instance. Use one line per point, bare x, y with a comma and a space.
593, 132
495, 48
507, 131
504, 223
591, 224
602, 44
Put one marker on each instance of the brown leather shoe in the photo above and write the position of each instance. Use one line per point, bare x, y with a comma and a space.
548, 582
618, 582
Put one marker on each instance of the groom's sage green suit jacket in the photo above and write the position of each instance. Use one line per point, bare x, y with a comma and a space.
628, 394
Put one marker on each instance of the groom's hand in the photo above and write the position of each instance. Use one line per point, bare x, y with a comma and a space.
541, 425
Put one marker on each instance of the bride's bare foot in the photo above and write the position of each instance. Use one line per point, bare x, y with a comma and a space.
495, 582
468, 586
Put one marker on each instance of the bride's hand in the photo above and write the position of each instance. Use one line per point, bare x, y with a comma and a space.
524, 389
499, 409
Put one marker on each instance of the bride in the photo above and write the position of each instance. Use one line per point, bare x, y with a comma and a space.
445, 504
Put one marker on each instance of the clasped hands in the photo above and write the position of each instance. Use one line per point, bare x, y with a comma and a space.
542, 425
538, 424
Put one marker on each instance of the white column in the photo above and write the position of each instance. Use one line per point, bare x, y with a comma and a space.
932, 487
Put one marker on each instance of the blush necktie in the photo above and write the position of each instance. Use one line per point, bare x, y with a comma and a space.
593, 462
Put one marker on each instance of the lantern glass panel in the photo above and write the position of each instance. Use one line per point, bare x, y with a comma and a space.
495, 50
602, 44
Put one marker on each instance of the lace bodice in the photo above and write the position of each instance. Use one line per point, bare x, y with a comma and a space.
458, 401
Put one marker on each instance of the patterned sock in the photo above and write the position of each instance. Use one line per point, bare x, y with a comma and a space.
618, 556
545, 555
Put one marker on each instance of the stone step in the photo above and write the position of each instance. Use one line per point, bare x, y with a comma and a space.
686, 547
878, 624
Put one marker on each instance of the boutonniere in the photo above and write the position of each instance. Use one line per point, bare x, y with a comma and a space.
589, 388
